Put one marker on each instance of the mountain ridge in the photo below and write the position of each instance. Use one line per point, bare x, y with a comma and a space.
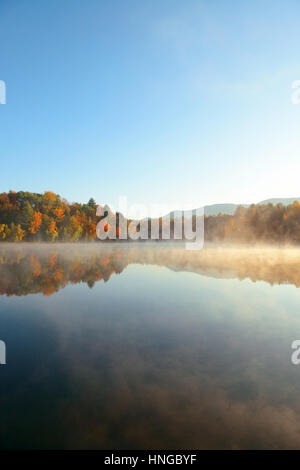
230, 208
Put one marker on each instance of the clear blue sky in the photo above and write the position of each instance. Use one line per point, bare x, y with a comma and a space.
157, 100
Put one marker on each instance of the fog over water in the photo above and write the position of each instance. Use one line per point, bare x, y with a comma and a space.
60, 264
149, 346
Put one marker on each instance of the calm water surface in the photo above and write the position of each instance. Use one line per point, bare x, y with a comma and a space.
117, 347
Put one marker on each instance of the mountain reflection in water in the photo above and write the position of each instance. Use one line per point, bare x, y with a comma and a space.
180, 351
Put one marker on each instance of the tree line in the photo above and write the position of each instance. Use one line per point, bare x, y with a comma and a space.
26, 216
263, 223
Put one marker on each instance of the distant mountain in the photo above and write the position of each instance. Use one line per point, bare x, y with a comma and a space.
285, 200
215, 209
229, 209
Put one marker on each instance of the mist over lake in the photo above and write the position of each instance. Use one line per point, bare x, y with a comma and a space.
149, 346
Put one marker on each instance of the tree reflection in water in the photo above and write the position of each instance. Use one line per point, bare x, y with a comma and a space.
28, 269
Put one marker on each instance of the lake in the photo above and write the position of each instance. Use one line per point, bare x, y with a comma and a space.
149, 346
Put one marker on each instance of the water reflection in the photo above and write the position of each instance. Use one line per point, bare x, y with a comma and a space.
159, 357
26, 269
